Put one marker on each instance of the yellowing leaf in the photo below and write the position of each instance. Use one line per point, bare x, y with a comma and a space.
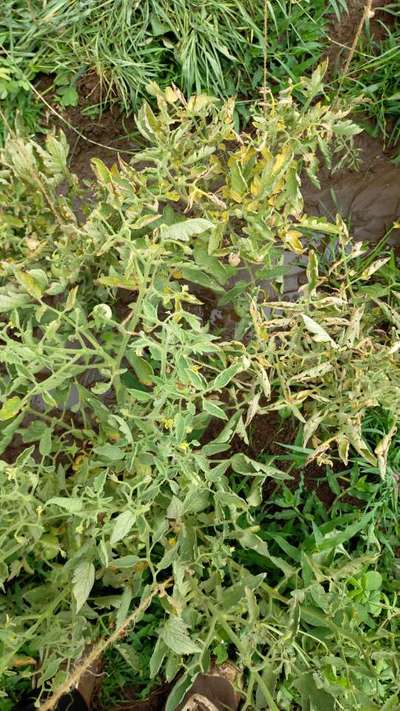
382, 449
256, 186
171, 95
319, 333
147, 123
119, 282
312, 373
374, 267
199, 102
29, 283
253, 409
142, 368
343, 448
264, 382
292, 239
173, 195
311, 427
237, 183
353, 432
18, 662
280, 160
71, 299
10, 408
101, 171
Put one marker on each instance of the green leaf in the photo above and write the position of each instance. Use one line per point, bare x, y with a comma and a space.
214, 410
45, 442
178, 692
331, 542
312, 696
142, 368
10, 408
176, 636
140, 395
31, 284
253, 542
197, 276
184, 230
109, 452
123, 609
126, 561
157, 658
82, 582
122, 525
372, 580
69, 503
226, 376
11, 301
319, 333
68, 96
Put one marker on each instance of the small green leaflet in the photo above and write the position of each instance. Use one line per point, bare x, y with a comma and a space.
157, 658
176, 636
253, 542
82, 582
184, 230
214, 410
45, 443
226, 376
109, 452
372, 580
123, 609
70, 503
68, 96
122, 525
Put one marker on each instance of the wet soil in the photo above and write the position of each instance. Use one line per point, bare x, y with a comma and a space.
368, 198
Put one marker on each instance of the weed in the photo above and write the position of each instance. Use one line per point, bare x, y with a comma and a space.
374, 75
216, 47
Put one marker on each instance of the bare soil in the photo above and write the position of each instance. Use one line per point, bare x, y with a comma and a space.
155, 702
107, 136
368, 198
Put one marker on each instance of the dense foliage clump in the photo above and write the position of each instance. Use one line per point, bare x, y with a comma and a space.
129, 474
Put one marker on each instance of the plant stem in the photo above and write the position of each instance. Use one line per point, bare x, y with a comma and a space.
101, 647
